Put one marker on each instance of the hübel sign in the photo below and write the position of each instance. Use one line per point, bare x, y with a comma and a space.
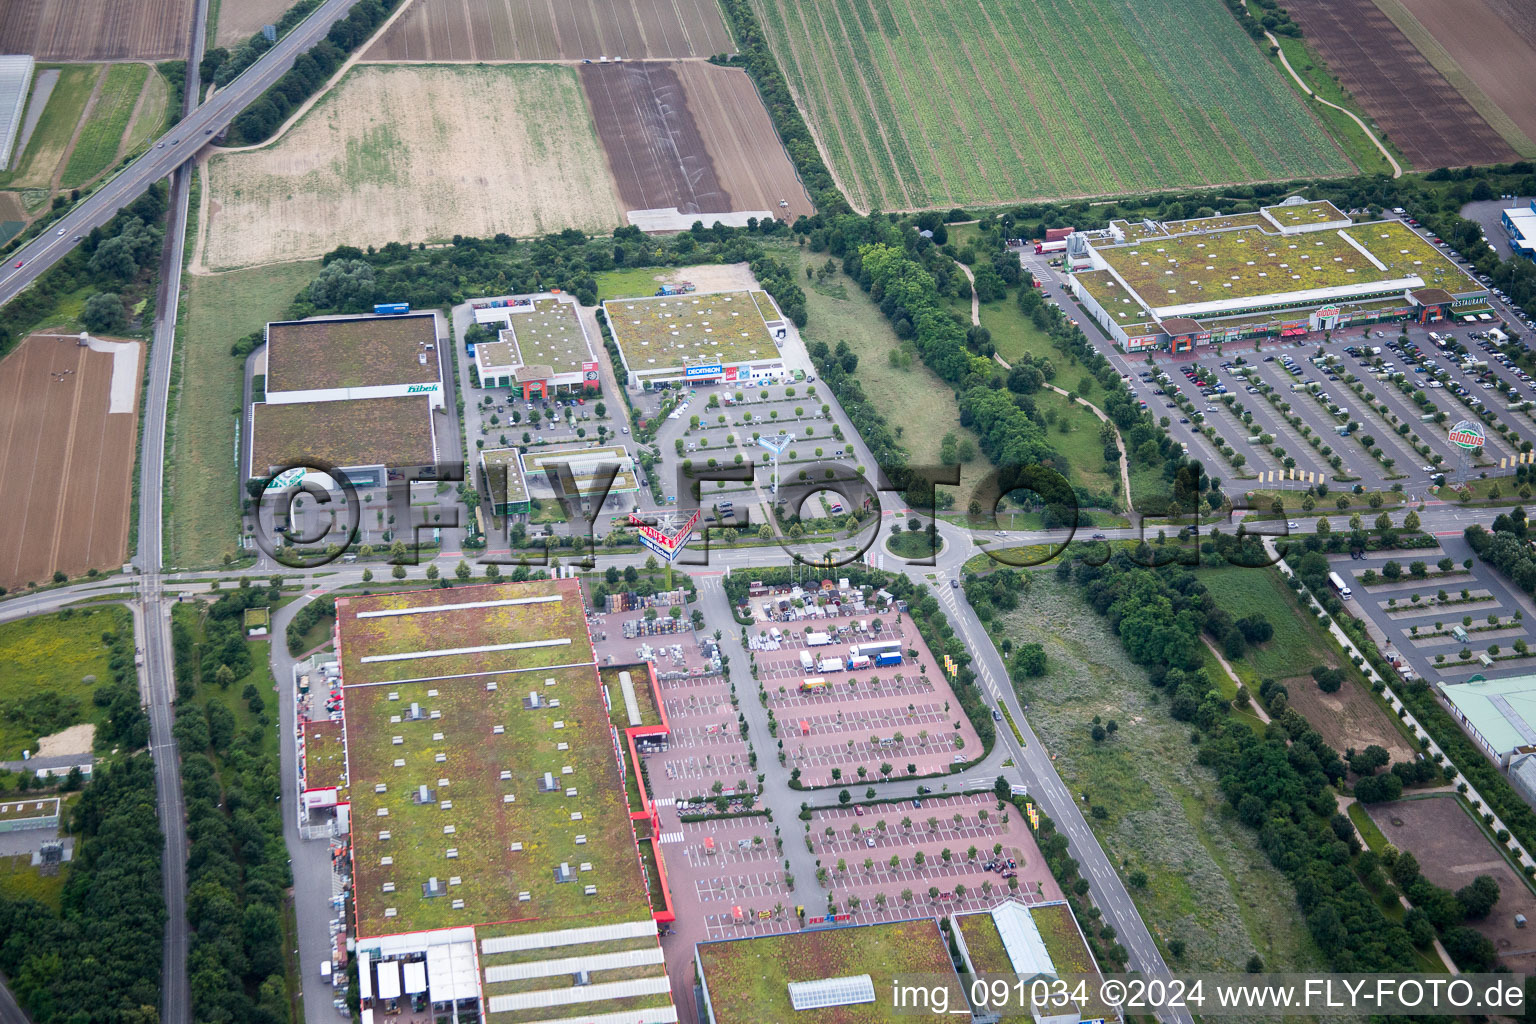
711, 370
419, 389
1467, 434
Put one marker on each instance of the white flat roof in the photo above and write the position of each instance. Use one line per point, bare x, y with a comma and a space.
572, 964
415, 976
424, 609
451, 971
389, 979
566, 937
1341, 291
1524, 221
1021, 939
601, 992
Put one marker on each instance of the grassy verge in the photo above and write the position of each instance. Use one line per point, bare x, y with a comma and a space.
203, 506
99, 140
1162, 813
919, 406
151, 119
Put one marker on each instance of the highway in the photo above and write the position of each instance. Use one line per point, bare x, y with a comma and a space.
159, 680
172, 149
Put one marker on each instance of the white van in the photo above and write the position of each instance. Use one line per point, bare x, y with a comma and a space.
325, 970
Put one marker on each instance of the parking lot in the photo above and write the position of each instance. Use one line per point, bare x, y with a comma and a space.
846, 713
893, 857
1423, 623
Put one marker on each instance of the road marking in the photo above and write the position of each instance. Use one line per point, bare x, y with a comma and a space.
672, 837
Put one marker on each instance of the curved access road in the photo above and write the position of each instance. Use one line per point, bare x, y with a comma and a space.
1397, 169
169, 152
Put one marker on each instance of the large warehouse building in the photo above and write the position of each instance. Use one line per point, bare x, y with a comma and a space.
541, 346
711, 338
360, 393
1284, 271
496, 873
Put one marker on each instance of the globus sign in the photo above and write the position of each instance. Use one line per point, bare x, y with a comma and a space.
1468, 435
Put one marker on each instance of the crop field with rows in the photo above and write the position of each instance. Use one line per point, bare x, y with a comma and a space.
919, 105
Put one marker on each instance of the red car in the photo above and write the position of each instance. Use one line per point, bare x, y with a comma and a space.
19, 263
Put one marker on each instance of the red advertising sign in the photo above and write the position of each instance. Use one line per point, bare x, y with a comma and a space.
730, 373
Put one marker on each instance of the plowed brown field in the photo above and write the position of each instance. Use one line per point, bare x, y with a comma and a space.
474, 30
691, 135
66, 462
1426, 117
96, 29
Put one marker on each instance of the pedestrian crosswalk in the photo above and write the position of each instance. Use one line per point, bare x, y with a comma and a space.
666, 801
671, 837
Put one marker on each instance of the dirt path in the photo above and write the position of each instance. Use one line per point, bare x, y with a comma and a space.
85, 116
1125, 471
1397, 170
975, 302
1254, 707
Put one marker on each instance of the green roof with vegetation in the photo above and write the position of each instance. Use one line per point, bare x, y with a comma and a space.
362, 432
1069, 953
748, 979
550, 335
665, 332
473, 747
1214, 266
645, 696
351, 352
504, 476
1300, 215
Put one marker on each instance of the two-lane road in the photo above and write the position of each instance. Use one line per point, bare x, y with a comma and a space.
170, 151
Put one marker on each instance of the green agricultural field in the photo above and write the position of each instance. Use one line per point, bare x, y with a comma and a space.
1209, 883
204, 500
36, 167
60, 654
102, 133
951, 103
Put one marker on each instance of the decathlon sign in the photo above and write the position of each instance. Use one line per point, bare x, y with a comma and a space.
1468, 435
705, 370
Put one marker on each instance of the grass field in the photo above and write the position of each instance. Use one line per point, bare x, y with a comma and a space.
36, 167
102, 134
1348, 717
919, 406
415, 153
53, 653
150, 120
936, 105
204, 510
1209, 883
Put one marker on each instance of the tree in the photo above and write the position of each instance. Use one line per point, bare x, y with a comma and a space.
398, 572
344, 286
367, 575
1029, 660
103, 313
1478, 897
462, 570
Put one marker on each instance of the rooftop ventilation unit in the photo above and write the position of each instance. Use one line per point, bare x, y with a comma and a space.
591, 890
490, 687
563, 873
432, 887
581, 840
386, 861
415, 711
533, 700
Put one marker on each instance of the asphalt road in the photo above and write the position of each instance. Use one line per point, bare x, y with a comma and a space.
171, 150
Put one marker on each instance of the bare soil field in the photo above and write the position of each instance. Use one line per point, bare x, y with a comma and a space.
1346, 718
1451, 851
66, 460
476, 30
690, 135
241, 19
1426, 117
1484, 42
414, 154
96, 29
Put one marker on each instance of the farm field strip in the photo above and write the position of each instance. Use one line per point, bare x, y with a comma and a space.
503, 30
102, 135
1126, 108
96, 29
365, 165
36, 167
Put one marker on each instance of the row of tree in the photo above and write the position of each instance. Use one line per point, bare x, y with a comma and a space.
98, 957
221, 67
237, 865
